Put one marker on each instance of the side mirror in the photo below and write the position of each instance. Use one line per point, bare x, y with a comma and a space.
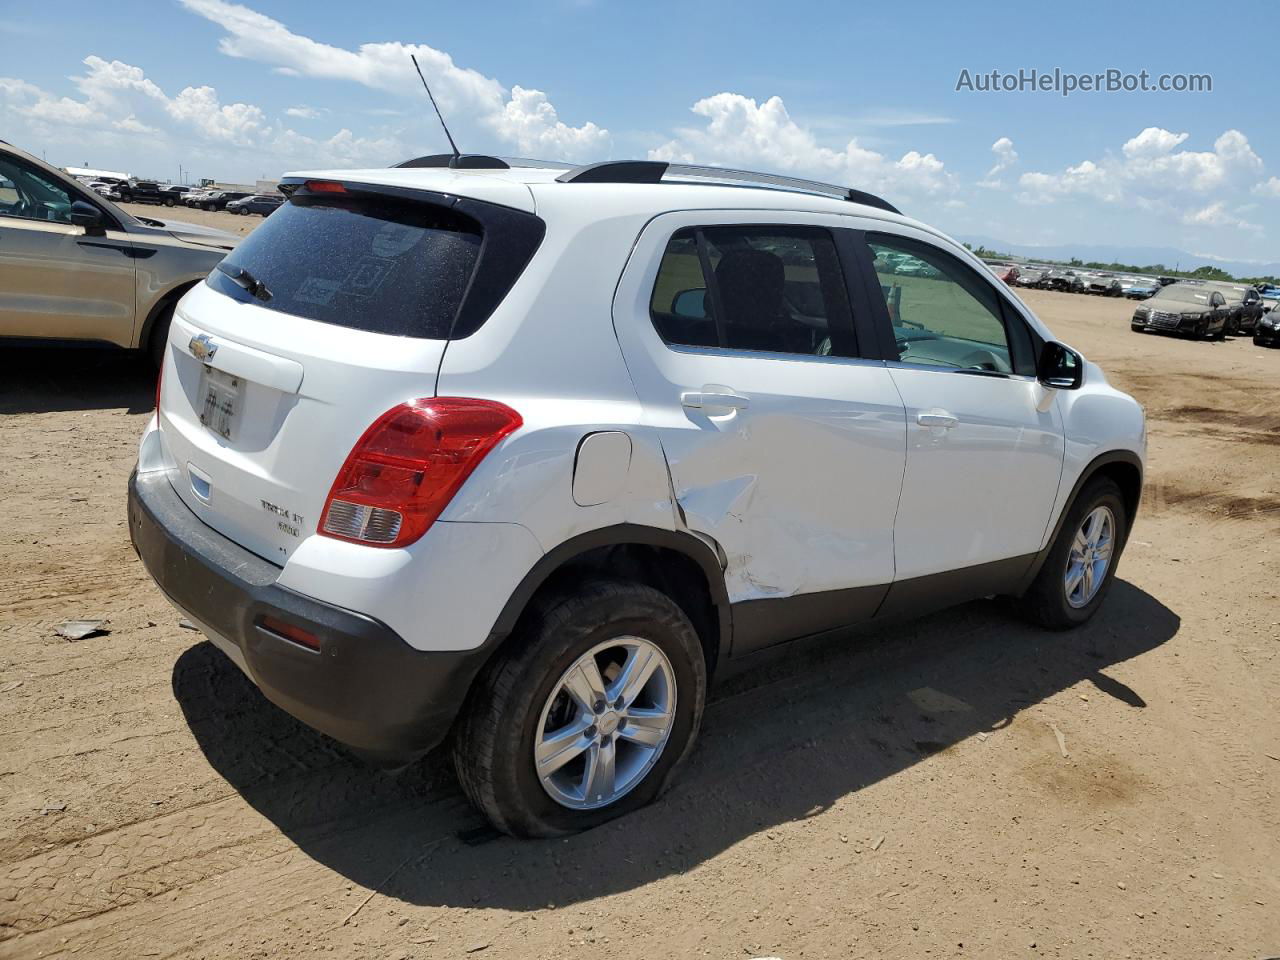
690, 304
1060, 367
88, 216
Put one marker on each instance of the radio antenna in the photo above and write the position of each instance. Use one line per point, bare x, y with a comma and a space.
456, 155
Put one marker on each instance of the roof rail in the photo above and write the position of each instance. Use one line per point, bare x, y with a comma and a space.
658, 171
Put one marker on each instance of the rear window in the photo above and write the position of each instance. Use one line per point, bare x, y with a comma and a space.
386, 266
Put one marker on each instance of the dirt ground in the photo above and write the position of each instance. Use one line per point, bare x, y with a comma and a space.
959, 786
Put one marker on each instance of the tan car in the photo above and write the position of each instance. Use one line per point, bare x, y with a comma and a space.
75, 267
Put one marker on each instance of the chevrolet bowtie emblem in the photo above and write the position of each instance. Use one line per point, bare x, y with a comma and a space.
202, 347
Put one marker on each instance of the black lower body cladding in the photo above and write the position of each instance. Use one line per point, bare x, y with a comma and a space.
365, 687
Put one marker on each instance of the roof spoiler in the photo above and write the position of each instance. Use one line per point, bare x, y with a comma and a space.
461, 161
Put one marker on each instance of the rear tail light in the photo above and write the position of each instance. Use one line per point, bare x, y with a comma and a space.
406, 468
325, 186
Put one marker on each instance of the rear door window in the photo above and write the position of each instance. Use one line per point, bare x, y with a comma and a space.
386, 266
775, 289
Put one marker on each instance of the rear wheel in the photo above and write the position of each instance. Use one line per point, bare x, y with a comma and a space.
588, 715
1081, 564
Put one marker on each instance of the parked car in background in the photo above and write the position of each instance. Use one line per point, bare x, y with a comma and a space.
545, 563
174, 194
1139, 288
1066, 281
1029, 277
218, 199
1245, 305
262, 203
195, 196
137, 191
1101, 284
1007, 272
1184, 308
75, 267
1267, 331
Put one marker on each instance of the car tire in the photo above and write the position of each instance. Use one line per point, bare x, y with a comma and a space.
159, 336
243, 212
1050, 601
1137, 328
519, 696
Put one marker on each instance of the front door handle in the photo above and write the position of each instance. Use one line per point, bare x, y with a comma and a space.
936, 418
714, 395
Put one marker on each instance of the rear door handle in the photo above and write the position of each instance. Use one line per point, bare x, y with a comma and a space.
714, 395
936, 418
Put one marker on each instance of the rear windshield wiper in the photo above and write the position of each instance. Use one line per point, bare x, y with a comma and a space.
246, 280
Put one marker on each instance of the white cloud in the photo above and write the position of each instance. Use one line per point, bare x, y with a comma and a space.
741, 132
1216, 215
305, 113
241, 124
1268, 188
525, 119
1149, 163
1085, 178
132, 124
529, 121
343, 149
1006, 156
120, 101
1153, 141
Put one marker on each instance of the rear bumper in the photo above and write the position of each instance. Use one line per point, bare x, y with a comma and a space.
365, 687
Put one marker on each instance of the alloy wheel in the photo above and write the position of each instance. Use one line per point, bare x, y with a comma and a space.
1090, 557
605, 723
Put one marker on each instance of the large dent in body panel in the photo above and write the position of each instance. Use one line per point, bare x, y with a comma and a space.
770, 527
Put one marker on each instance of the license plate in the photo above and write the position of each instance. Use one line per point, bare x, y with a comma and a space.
222, 396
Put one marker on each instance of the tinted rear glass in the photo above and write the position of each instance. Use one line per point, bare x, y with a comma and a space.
392, 267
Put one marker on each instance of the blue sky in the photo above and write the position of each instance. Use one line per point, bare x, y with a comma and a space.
861, 95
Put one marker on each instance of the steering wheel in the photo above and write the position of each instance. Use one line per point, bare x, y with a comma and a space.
981, 360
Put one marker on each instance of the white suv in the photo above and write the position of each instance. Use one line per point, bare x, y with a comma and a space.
522, 456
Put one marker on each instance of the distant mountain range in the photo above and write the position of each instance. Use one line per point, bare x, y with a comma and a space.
1171, 257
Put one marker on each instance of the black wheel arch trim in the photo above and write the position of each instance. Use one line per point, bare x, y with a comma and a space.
1099, 462
617, 535
166, 300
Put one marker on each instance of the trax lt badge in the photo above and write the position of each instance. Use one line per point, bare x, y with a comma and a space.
202, 347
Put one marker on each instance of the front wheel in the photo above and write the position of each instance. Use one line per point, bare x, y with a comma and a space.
1081, 564
587, 716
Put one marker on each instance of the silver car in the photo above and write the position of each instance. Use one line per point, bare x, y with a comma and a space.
75, 267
